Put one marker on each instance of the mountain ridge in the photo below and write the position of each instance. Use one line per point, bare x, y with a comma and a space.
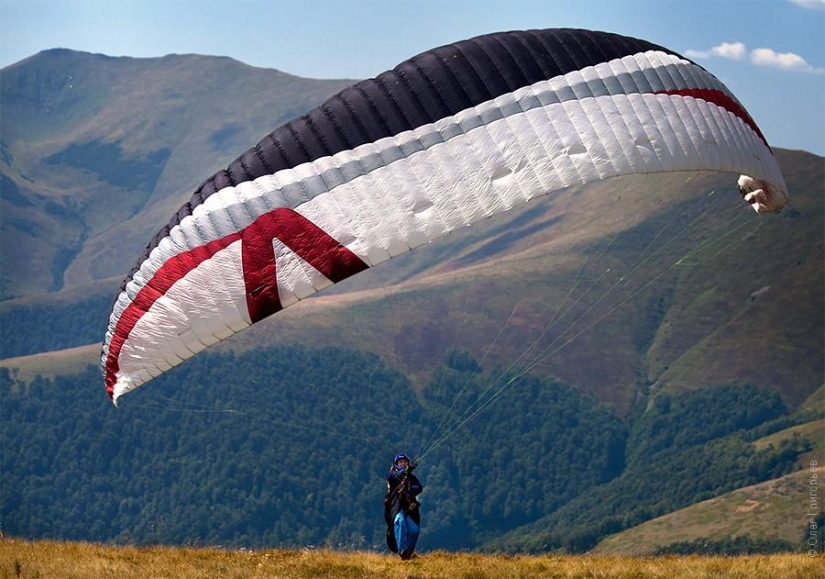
108, 147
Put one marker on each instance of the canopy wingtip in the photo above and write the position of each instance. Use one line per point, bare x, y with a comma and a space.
764, 197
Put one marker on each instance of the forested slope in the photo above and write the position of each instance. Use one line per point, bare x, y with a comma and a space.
288, 446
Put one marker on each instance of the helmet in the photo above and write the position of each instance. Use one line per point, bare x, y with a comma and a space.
400, 457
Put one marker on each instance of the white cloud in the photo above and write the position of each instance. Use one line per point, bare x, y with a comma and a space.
815, 4
690, 53
734, 50
759, 56
783, 60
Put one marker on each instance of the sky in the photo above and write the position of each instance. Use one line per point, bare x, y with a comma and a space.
770, 53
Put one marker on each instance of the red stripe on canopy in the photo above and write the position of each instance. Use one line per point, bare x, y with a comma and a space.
720, 99
307, 240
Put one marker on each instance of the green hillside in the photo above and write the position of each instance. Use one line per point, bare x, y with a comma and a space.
774, 510
767, 511
287, 447
686, 448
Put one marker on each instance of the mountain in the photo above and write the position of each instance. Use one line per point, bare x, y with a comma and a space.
98, 151
582, 347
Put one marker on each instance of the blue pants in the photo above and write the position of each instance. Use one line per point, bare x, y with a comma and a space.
406, 532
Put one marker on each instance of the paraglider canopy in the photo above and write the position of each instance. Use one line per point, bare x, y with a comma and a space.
452, 136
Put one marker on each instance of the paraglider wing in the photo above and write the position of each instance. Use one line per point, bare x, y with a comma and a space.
447, 138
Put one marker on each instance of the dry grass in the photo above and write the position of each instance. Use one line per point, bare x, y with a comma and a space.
46, 559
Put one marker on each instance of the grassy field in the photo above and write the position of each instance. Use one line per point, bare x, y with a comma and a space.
45, 559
